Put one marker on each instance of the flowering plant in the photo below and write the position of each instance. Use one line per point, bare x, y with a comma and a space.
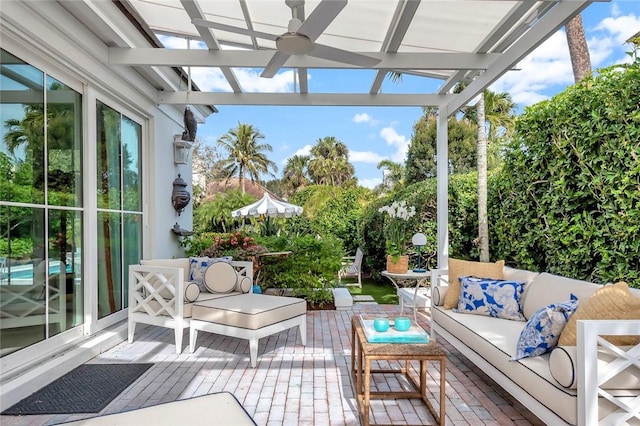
396, 229
237, 245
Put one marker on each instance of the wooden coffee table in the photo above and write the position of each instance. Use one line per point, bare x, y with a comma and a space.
363, 352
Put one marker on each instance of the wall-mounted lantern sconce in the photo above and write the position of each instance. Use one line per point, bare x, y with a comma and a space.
181, 150
180, 197
177, 229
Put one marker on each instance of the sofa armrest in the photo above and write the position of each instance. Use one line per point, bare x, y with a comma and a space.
156, 290
439, 277
591, 375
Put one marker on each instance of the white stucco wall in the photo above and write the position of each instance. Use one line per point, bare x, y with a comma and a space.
163, 243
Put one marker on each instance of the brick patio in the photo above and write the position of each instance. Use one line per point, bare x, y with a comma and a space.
294, 384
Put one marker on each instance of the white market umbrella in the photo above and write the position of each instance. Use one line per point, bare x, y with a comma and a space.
269, 207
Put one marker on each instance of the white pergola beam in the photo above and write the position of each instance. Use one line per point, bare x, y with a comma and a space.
295, 99
193, 10
405, 11
543, 29
259, 59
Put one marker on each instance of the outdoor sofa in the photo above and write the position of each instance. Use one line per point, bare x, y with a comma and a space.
208, 294
579, 380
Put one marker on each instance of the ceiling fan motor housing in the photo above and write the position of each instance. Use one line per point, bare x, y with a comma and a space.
292, 42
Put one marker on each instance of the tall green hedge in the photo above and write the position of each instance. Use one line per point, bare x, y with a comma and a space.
568, 198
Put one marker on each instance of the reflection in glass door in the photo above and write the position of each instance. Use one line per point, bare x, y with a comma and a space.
41, 287
119, 198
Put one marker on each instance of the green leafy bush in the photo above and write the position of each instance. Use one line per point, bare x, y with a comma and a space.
309, 271
568, 197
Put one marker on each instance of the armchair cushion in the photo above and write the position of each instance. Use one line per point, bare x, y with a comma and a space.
198, 266
244, 284
220, 277
191, 292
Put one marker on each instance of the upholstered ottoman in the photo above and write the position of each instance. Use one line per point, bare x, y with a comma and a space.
248, 316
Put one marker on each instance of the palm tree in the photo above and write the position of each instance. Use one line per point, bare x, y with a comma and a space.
329, 163
246, 154
578, 50
295, 174
493, 114
394, 179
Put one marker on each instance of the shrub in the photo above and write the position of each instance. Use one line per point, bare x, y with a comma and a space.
309, 271
568, 197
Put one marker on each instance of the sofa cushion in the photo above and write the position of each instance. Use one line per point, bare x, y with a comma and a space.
460, 268
613, 301
491, 341
198, 266
220, 277
547, 288
522, 276
438, 295
489, 297
563, 366
542, 331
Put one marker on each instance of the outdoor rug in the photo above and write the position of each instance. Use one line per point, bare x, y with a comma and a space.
86, 389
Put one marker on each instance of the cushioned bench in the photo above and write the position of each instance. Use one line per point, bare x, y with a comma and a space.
248, 316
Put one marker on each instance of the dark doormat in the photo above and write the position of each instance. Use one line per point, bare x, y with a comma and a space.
86, 389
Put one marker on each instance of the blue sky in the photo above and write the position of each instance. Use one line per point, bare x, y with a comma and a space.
376, 133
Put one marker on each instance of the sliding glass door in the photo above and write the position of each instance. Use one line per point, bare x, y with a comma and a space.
119, 199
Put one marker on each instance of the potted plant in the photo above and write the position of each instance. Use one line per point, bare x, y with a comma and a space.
398, 215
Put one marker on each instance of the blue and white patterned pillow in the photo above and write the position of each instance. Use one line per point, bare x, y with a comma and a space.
491, 297
542, 331
198, 266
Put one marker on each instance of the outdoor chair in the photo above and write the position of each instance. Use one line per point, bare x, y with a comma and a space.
352, 268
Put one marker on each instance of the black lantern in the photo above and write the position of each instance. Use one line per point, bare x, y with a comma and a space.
180, 197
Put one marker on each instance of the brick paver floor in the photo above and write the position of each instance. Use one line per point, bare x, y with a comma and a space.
295, 384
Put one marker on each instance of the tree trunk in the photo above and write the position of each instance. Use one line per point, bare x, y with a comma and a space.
578, 50
483, 222
242, 179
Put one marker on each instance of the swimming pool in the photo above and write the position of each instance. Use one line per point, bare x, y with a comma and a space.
25, 272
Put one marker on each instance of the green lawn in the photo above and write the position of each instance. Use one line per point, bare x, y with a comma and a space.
383, 292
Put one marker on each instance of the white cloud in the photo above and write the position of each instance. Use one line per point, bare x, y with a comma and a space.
212, 79
369, 183
365, 157
549, 66
362, 118
399, 142
305, 150
365, 118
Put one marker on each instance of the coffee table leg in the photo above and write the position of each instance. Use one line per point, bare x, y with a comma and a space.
443, 384
367, 392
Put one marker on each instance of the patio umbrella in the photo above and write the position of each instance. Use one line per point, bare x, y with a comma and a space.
269, 207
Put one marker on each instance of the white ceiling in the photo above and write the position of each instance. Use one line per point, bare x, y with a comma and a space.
441, 41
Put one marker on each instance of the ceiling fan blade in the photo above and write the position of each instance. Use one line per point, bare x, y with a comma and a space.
321, 17
223, 27
277, 60
344, 56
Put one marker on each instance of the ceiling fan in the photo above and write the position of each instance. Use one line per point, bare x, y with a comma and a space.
300, 37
